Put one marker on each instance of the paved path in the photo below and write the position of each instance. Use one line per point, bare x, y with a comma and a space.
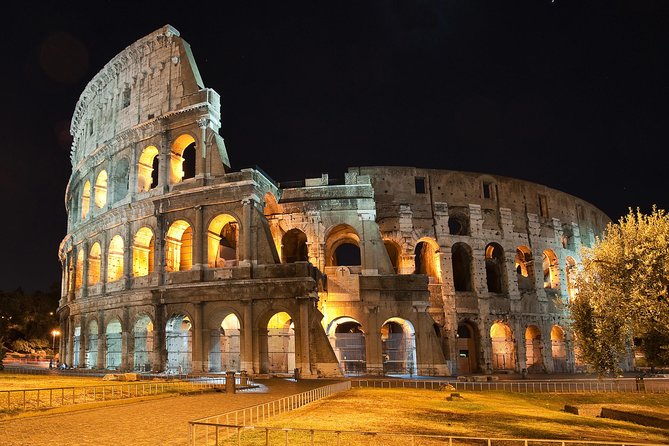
152, 422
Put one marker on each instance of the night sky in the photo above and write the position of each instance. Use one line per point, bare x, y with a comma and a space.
570, 94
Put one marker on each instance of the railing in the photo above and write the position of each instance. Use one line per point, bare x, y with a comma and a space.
213, 430
44, 398
230, 434
594, 386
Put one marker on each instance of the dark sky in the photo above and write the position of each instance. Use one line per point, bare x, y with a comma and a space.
572, 94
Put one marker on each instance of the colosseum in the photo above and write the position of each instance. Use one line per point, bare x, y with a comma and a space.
174, 261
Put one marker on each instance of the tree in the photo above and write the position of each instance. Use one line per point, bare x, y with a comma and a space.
622, 289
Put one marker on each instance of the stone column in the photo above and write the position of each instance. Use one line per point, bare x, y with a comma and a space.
127, 256
126, 340
67, 335
198, 333
519, 345
248, 329
246, 254
159, 354
373, 341
305, 359
104, 253
102, 341
164, 162
199, 241
84, 272
201, 163
83, 341
159, 248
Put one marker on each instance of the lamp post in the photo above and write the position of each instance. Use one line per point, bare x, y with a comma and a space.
54, 333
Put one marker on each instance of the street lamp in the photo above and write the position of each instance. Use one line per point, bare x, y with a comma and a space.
54, 333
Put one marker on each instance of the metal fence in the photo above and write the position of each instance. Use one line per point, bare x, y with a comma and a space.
44, 398
230, 434
214, 430
594, 386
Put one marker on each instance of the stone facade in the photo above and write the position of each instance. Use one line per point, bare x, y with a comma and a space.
173, 261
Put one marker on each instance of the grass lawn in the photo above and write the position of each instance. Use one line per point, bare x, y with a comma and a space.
482, 414
11, 381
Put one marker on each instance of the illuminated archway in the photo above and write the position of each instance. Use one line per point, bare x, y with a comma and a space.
494, 268
92, 345
393, 251
225, 345
143, 252
277, 347
179, 343
147, 169
427, 260
79, 269
461, 256
503, 351
115, 259
524, 265
348, 342
294, 247
101, 189
94, 258
342, 246
113, 342
143, 336
182, 159
398, 340
86, 200
179, 247
558, 349
467, 346
76, 346
534, 359
550, 269
222, 240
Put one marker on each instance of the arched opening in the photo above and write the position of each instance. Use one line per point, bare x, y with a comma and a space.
121, 177
394, 253
79, 269
503, 352
277, 350
427, 260
294, 247
271, 205
143, 336
179, 343
534, 359
92, 345
570, 269
550, 269
467, 345
348, 342
101, 190
94, 264
182, 159
147, 169
143, 252
179, 247
524, 268
225, 345
222, 239
462, 267
494, 268
113, 342
86, 200
76, 346
458, 225
558, 349
343, 247
115, 259
398, 341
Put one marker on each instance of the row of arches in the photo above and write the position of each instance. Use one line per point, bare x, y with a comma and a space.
104, 189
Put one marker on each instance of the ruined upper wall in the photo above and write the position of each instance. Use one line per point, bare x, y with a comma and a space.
151, 77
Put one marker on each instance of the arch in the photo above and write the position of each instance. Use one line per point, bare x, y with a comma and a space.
427, 260
92, 344
76, 346
86, 200
79, 269
94, 258
461, 256
179, 343
394, 252
143, 247
225, 345
222, 241
550, 268
503, 351
524, 265
121, 177
147, 169
182, 158
101, 190
558, 349
458, 224
115, 259
398, 341
342, 235
271, 205
277, 344
294, 247
494, 268
113, 343
179, 247
347, 339
143, 336
534, 358
570, 270
467, 346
